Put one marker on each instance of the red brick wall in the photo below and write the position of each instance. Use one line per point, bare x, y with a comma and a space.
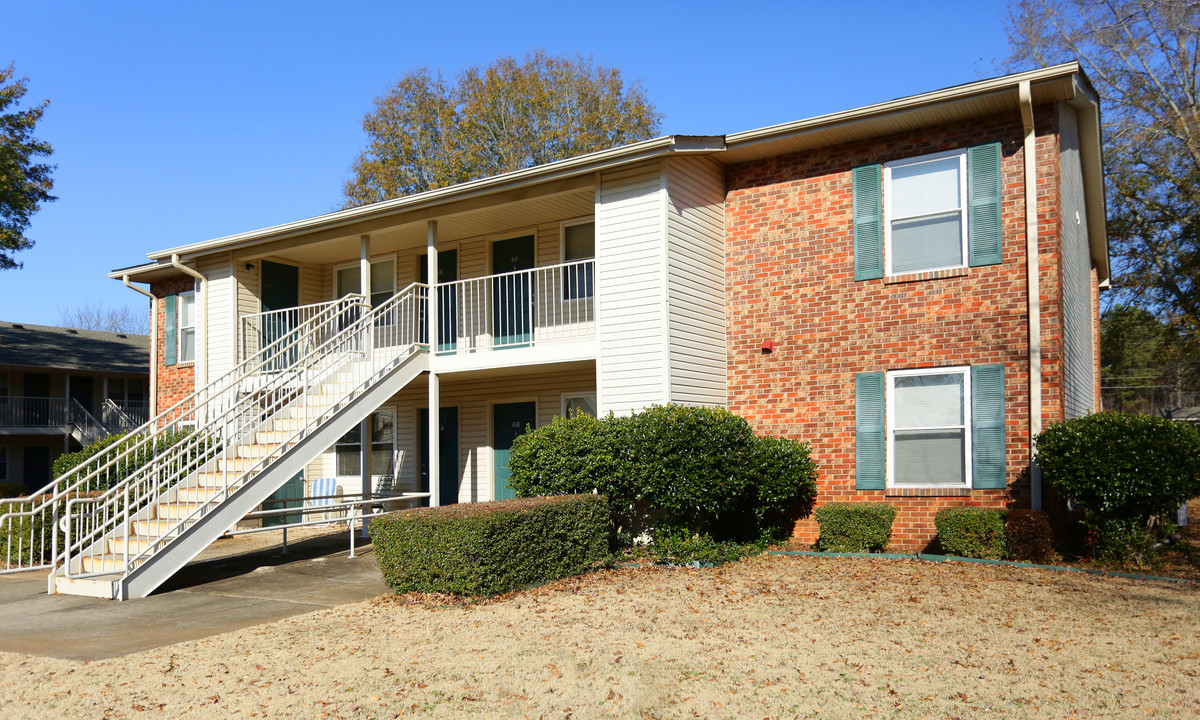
790, 279
175, 382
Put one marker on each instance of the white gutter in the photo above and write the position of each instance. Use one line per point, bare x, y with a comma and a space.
1032, 288
201, 322
153, 343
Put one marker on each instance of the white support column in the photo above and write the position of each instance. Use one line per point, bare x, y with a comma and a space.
435, 424
364, 428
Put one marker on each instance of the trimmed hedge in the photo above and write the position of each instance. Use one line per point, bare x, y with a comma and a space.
1030, 537
973, 532
854, 527
692, 470
489, 548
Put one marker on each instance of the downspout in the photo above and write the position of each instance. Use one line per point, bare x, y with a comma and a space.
153, 344
201, 322
1032, 290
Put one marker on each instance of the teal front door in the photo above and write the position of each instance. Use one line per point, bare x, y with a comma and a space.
448, 453
509, 420
447, 300
280, 290
512, 294
287, 496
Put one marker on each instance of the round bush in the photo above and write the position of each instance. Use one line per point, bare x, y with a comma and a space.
694, 470
1123, 469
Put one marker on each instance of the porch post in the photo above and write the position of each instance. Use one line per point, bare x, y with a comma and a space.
364, 428
435, 424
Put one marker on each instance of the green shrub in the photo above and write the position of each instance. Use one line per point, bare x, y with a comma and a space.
973, 532
97, 454
854, 527
489, 548
1029, 536
681, 548
1124, 470
693, 470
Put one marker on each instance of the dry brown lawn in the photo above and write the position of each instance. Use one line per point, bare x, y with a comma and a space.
771, 637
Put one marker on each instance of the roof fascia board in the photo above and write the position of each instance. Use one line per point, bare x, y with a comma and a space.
983, 88
585, 164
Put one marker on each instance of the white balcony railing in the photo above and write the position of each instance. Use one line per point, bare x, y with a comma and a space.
33, 412
525, 308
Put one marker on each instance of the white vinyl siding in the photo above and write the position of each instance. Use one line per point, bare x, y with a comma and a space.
219, 295
1079, 366
630, 287
474, 399
696, 281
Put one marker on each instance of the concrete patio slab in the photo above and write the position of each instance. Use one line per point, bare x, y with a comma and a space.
212, 595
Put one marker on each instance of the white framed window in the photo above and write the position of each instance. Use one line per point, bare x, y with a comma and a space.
578, 242
347, 279
925, 213
348, 452
929, 428
187, 326
575, 403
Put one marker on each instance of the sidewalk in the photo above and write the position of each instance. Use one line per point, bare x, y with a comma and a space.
235, 584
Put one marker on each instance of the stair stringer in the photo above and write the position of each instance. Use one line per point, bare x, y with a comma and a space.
159, 568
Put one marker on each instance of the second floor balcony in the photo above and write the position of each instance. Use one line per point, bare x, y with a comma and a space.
543, 314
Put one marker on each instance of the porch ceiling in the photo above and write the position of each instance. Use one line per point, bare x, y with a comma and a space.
455, 223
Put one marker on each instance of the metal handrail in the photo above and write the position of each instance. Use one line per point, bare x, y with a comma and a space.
151, 440
91, 428
366, 337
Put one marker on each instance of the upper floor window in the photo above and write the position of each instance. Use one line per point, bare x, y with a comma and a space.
925, 202
187, 326
383, 280
578, 243
929, 213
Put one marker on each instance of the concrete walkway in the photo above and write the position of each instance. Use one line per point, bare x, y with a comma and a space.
207, 597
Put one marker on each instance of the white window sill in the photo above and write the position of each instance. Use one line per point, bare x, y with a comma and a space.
928, 275
928, 492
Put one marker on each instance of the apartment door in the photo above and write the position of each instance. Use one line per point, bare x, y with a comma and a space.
447, 299
37, 466
288, 496
280, 290
512, 295
509, 420
447, 453
81, 392
40, 411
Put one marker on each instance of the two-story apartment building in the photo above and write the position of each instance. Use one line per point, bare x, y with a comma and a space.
910, 286
61, 388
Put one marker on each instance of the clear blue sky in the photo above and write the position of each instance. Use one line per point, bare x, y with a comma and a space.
175, 122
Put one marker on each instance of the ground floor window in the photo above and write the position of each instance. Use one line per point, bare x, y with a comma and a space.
929, 427
347, 451
572, 405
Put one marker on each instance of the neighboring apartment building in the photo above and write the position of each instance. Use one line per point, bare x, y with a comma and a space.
911, 287
61, 388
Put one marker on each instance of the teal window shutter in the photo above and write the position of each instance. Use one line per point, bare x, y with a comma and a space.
170, 341
987, 427
869, 431
868, 221
983, 198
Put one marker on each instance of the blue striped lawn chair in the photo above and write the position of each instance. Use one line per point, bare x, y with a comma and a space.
324, 492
